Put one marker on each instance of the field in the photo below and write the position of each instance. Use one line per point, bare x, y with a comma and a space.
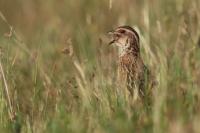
58, 73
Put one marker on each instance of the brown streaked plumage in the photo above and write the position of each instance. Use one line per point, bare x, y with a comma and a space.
132, 71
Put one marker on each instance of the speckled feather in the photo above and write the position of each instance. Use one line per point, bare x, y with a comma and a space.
133, 73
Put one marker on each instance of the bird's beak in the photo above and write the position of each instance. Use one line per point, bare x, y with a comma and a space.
111, 35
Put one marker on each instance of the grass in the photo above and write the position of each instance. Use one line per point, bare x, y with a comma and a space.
61, 74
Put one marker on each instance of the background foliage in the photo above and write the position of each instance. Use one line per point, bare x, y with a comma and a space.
61, 73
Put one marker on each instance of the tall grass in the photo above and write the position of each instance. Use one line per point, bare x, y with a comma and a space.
60, 75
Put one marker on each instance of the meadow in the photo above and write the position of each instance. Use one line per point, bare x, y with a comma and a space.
58, 73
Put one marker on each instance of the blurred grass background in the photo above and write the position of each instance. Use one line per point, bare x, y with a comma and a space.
76, 91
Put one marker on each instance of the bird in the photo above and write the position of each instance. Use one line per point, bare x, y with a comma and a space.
132, 72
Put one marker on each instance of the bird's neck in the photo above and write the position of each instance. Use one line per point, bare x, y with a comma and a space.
128, 51
129, 57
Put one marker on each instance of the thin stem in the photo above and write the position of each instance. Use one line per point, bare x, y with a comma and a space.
7, 92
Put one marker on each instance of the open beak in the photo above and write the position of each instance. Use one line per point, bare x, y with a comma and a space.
111, 34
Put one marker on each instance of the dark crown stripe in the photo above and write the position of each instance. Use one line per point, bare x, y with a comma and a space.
132, 30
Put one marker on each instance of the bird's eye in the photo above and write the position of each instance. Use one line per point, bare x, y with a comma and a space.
122, 31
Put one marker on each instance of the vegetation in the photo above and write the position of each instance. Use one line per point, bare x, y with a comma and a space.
59, 74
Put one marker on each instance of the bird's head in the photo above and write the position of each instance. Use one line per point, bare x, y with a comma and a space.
126, 38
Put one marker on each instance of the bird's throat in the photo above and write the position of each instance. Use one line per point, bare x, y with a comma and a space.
122, 51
